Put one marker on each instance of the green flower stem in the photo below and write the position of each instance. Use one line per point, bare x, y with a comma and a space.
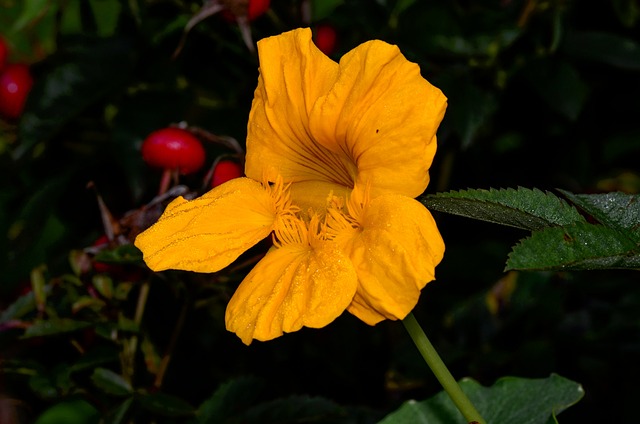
441, 371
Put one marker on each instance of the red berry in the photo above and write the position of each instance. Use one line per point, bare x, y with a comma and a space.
101, 267
224, 171
15, 84
257, 8
173, 148
326, 38
254, 9
4, 52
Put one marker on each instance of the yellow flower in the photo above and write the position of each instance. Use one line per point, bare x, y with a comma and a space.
324, 126
336, 153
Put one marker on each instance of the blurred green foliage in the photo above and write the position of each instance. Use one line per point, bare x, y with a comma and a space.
542, 94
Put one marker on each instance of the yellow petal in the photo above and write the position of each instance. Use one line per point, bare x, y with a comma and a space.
384, 115
395, 252
294, 73
208, 233
293, 286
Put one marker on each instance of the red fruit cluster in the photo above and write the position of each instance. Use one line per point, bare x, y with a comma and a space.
175, 149
15, 84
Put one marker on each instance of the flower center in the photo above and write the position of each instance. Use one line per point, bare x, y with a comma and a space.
339, 169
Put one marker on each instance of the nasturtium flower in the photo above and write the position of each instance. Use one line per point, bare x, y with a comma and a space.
336, 154
324, 126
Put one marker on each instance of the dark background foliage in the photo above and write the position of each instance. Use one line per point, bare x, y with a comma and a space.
542, 94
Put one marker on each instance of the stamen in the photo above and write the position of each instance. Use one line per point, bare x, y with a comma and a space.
281, 196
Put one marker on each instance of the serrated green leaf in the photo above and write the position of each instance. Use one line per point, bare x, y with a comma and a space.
166, 405
616, 210
582, 246
230, 398
510, 400
521, 208
54, 326
111, 382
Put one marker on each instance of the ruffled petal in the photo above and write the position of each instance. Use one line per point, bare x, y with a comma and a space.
395, 251
294, 73
292, 286
383, 115
208, 233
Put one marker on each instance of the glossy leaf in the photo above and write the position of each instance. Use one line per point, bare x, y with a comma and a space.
520, 208
616, 210
581, 246
111, 382
510, 400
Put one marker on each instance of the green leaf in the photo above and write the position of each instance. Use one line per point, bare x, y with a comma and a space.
510, 400
520, 208
125, 254
87, 73
94, 357
106, 14
77, 411
111, 382
230, 398
53, 327
323, 9
43, 386
21, 307
295, 409
603, 47
559, 85
470, 107
488, 44
119, 414
33, 10
582, 246
166, 405
616, 210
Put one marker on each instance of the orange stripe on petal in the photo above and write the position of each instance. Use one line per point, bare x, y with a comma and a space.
294, 73
208, 233
383, 115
